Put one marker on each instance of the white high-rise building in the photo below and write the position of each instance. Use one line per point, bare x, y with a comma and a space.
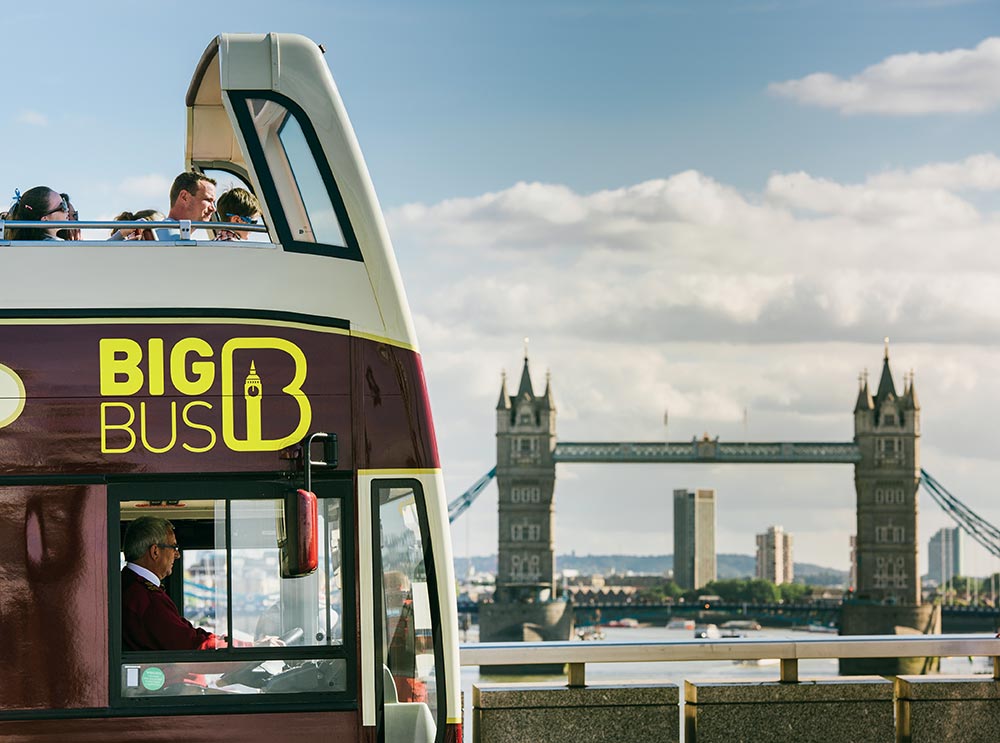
944, 555
774, 556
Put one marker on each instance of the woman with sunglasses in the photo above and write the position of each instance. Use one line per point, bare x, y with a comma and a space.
38, 204
237, 206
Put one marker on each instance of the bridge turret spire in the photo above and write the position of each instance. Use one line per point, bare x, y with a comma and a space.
504, 402
525, 386
886, 386
864, 394
550, 402
910, 396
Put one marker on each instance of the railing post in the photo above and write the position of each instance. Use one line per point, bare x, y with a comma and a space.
996, 667
789, 670
577, 674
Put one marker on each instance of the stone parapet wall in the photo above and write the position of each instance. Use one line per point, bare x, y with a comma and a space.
914, 709
519, 713
947, 709
859, 710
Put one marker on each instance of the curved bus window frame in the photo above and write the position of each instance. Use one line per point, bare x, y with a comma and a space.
240, 102
231, 490
437, 623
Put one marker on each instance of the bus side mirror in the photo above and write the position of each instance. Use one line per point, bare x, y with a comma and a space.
298, 535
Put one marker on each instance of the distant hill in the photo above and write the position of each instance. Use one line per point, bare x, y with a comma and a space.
727, 566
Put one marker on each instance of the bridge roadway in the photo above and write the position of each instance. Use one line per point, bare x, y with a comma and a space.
709, 451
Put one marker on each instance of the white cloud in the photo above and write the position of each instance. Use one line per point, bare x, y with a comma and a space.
975, 173
32, 118
956, 81
685, 294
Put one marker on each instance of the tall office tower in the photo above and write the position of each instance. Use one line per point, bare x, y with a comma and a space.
774, 556
944, 555
694, 538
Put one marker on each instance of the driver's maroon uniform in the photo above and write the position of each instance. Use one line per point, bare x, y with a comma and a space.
150, 620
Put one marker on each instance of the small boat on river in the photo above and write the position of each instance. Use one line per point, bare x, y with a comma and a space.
627, 622
707, 632
740, 624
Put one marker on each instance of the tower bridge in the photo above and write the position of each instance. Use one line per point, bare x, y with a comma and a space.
885, 454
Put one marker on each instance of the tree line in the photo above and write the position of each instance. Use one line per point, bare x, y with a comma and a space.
730, 591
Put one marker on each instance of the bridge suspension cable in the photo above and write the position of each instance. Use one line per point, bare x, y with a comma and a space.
972, 523
461, 504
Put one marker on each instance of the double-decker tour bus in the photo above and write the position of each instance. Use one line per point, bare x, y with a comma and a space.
267, 398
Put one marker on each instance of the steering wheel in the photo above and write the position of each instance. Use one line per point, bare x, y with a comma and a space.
293, 636
244, 673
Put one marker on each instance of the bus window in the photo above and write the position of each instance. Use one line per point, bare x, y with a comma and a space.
409, 611
291, 162
228, 581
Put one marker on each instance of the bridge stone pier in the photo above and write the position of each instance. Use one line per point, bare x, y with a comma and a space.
885, 453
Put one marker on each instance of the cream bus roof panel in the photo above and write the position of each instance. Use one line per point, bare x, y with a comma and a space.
293, 67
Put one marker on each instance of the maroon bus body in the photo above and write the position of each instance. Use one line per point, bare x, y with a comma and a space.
54, 576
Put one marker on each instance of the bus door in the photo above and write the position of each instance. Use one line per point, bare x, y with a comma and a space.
407, 668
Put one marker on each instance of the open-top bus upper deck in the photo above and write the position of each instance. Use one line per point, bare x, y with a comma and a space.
182, 378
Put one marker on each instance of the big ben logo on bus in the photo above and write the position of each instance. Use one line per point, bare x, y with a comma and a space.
129, 371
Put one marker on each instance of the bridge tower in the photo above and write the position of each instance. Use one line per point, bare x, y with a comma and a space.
526, 605
526, 475
887, 595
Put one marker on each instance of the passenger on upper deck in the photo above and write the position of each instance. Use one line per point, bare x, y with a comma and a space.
192, 196
150, 620
40, 204
73, 216
237, 206
144, 215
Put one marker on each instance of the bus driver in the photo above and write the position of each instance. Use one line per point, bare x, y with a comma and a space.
150, 620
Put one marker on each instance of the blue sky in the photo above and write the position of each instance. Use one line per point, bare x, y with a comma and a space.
701, 206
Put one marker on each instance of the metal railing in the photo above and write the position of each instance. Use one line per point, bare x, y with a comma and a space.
576, 655
183, 226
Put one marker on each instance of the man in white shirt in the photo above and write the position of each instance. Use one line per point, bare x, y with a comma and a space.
150, 620
192, 196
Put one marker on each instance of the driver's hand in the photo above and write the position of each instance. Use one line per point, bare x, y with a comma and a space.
269, 641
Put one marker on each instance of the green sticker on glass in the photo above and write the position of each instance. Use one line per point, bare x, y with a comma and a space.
153, 678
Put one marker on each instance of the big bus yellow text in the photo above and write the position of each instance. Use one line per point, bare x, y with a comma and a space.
129, 368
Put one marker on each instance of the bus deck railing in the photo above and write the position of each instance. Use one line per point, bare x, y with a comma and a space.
183, 226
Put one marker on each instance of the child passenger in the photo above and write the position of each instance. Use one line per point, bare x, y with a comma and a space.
237, 206
144, 215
